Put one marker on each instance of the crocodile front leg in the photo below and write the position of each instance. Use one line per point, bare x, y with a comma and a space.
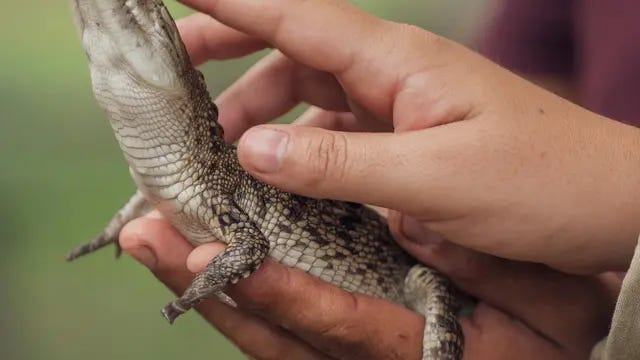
246, 250
134, 208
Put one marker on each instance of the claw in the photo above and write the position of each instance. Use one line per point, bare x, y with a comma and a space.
135, 207
99, 242
118, 249
172, 311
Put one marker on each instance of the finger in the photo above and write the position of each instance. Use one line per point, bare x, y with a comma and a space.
159, 247
492, 335
339, 121
548, 301
206, 38
287, 22
337, 322
271, 88
321, 34
255, 336
164, 251
355, 166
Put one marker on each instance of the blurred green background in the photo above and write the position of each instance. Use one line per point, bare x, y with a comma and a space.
62, 177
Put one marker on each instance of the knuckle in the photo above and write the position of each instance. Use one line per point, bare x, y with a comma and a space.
410, 29
343, 329
413, 33
437, 43
279, 21
328, 157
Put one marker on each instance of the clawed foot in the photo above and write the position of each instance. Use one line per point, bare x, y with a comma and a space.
134, 208
172, 311
101, 241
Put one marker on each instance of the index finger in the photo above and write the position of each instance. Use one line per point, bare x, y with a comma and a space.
309, 31
332, 36
205, 38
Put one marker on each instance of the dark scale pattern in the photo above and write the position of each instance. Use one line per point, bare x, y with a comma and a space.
167, 128
332, 240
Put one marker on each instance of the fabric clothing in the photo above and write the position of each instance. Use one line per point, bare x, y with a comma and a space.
594, 42
623, 341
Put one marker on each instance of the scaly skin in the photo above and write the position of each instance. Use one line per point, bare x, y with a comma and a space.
166, 126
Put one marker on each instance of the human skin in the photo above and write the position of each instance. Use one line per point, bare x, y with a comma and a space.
478, 156
517, 171
283, 313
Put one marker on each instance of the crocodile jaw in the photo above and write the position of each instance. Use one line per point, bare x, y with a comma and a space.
131, 40
157, 103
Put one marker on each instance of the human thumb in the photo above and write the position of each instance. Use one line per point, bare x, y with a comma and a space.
372, 168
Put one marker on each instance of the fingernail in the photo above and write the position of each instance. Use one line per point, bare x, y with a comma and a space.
414, 231
145, 256
265, 148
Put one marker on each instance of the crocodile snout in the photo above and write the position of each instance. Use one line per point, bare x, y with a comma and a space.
138, 38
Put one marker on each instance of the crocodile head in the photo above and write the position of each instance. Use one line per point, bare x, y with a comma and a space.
132, 41
142, 75
157, 103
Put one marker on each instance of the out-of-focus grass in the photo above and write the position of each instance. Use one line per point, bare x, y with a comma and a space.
62, 177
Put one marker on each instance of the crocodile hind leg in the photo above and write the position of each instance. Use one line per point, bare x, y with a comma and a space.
247, 248
430, 294
134, 208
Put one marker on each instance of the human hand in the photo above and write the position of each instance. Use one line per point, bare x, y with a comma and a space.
324, 328
283, 313
516, 172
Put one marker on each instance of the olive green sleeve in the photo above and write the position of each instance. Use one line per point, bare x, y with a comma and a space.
623, 341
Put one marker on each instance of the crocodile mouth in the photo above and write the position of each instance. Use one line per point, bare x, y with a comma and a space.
119, 13
137, 37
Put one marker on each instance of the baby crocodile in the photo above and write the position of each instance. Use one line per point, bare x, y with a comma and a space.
167, 128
